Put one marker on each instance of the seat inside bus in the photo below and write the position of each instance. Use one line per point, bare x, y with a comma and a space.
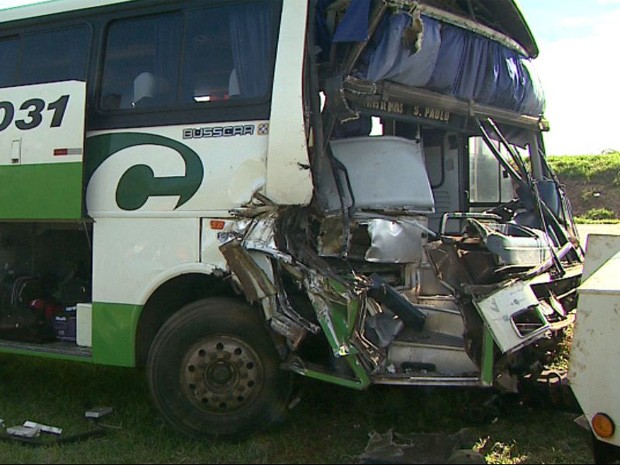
147, 89
391, 198
385, 173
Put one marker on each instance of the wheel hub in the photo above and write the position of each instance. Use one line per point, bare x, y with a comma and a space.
221, 374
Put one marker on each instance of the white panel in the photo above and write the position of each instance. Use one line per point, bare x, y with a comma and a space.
594, 373
499, 309
42, 123
599, 249
211, 241
288, 182
133, 254
234, 169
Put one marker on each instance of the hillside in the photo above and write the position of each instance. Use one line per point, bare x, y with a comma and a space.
592, 183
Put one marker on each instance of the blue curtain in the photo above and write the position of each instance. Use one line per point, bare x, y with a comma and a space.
251, 35
167, 37
390, 60
455, 62
352, 28
354, 24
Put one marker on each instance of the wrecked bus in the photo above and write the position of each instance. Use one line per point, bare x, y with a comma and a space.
233, 195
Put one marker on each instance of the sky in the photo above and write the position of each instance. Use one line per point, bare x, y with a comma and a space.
579, 67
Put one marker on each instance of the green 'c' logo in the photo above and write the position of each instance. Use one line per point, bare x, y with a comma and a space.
139, 182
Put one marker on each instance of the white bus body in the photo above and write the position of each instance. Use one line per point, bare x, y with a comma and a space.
230, 193
592, 378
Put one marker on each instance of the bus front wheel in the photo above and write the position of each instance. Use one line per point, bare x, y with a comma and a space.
213, 371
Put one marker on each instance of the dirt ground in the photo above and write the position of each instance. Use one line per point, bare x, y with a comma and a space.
600, 192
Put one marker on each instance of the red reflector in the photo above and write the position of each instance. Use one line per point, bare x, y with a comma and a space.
61, 152
217, 224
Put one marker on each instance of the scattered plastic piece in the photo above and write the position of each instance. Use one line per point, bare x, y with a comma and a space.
421, 448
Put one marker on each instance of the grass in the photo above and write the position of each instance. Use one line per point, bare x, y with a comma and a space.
587, 166
597, 216
331, 425
585, 220
593, 185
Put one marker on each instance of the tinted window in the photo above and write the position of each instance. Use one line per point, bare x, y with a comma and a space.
228, 53
8, 60
54, 56
142, 62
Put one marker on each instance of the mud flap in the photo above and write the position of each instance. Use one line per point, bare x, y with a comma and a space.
513, 315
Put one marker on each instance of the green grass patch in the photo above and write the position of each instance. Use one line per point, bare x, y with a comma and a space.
331, 424
586, 166
582, 220
597, 216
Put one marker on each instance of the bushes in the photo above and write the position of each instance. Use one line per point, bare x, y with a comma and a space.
598, 215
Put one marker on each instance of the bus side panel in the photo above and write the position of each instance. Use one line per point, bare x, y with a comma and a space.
288, 168
131, 253
132, 257
41, 148
114, 330
175, 170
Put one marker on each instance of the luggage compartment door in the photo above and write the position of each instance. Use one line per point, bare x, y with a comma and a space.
41, 151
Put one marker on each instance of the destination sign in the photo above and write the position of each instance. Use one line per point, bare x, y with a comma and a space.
417, 111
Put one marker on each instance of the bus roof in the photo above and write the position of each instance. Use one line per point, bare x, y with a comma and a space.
50, 7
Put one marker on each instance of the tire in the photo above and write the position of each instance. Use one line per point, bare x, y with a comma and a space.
213, 371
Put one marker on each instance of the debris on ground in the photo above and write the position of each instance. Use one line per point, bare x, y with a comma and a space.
37, 434
421, 448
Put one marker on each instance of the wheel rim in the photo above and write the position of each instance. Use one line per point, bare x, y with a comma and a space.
221, 374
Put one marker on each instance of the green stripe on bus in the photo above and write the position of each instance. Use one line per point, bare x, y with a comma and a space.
114, 333
43, 191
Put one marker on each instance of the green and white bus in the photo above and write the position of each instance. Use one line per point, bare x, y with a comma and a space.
234, 195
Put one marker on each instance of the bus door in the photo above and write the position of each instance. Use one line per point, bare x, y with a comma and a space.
41, 151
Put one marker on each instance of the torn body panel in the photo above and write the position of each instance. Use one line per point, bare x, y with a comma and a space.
368, 283
359, 324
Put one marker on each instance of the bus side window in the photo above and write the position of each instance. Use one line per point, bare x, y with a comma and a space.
8, 58
229, 53
141, 62
207, 72
44, 57
55, 56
